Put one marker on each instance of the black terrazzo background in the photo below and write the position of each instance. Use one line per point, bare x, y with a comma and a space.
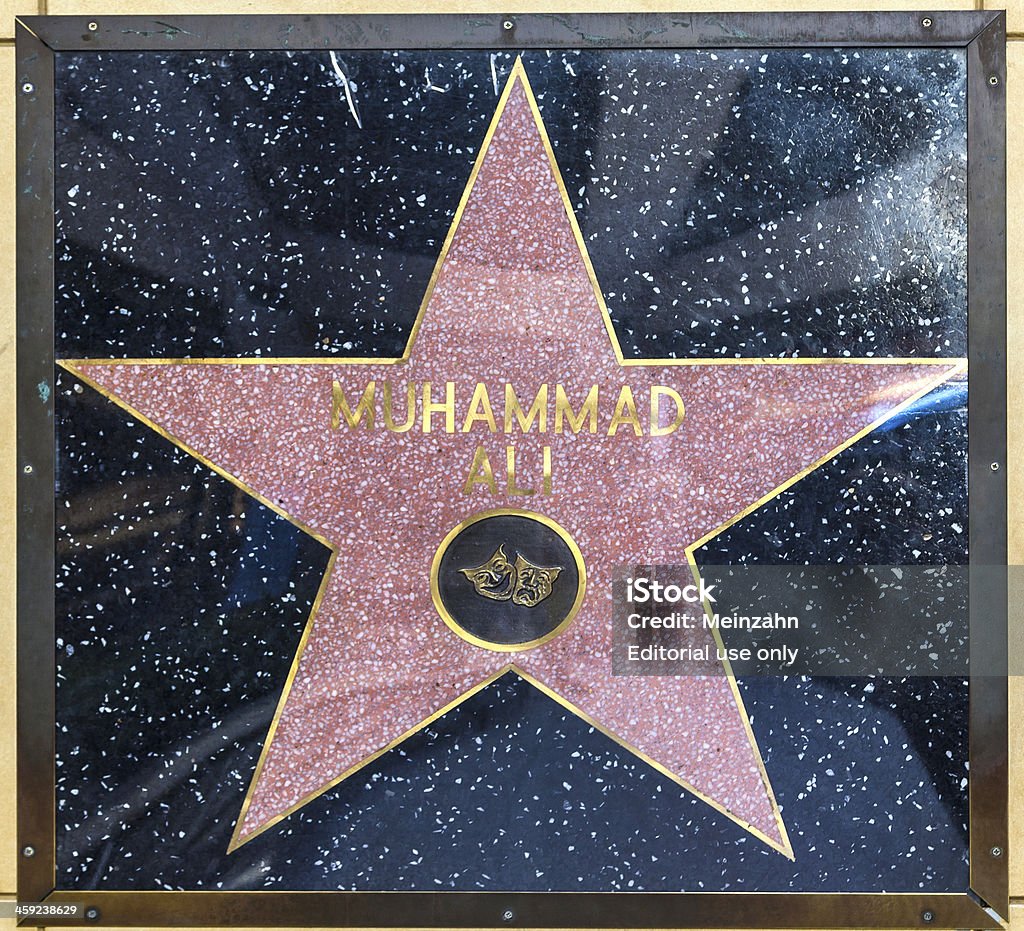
734, 202
180, 603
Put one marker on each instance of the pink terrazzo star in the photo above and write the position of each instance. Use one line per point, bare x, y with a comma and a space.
513, 302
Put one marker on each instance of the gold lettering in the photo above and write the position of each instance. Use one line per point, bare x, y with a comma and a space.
340, 408
547, 470
410, 410
625, 412
563, 410
480, 473
510, 463
447, 407
657, 393
480, 410
538, 410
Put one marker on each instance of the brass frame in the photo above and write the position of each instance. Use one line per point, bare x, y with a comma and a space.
980, 34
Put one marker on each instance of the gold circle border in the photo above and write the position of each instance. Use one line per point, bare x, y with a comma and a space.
581, 587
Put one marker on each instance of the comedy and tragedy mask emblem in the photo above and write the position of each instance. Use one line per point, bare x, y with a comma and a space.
522, 582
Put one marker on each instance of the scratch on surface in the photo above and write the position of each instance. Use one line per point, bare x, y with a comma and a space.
348, 89
433, 87
648, 34
566, 23
174, 30
168, 30
494, 76
731, 31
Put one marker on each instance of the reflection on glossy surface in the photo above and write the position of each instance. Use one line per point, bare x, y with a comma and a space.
585, 833
734, 202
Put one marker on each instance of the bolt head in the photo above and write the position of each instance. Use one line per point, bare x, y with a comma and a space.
994, 467
508, 25
927, 22
28, 851
27, 87
92, 913
93, 27
996, 851
508, 915
993, 80
27, 470
927, 917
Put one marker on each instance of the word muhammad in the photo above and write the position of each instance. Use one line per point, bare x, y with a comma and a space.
446, 408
